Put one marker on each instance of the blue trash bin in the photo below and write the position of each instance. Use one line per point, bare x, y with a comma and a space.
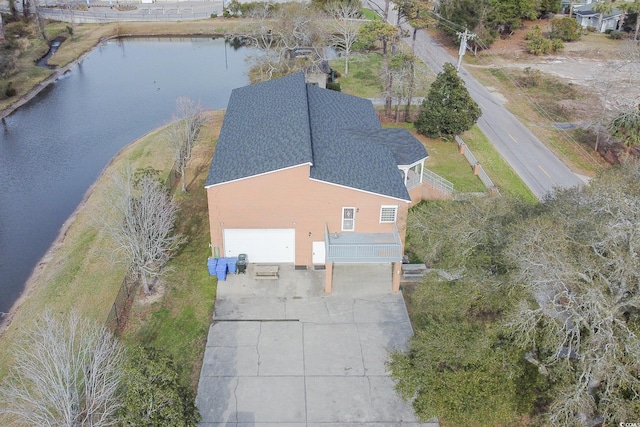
231, 265
211, 265
221, 269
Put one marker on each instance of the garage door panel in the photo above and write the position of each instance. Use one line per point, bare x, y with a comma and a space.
261, 245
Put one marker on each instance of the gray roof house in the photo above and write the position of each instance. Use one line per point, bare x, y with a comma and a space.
587, 17
307, 175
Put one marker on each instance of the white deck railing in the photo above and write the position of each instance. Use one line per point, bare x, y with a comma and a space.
363, 247
437, 182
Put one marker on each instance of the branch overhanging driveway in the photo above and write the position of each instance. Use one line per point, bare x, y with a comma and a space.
538, 167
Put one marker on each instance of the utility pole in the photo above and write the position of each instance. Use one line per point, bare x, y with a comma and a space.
463, 45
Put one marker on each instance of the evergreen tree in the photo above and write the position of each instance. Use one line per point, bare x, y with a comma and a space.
448, 109
155, 392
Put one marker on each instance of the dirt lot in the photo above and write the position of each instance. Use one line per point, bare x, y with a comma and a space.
607, 68
583, 86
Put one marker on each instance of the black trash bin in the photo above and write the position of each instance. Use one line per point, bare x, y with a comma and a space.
241, 264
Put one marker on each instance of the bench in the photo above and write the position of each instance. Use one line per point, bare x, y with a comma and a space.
267, 272
413, 271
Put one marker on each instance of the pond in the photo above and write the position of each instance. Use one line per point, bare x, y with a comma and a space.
54, 147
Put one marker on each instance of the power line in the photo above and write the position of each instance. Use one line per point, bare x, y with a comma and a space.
450, 25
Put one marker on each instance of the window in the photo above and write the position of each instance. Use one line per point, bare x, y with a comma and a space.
388, 213
348, 219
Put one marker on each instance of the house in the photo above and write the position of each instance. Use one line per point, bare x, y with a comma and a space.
308, 176
587, 17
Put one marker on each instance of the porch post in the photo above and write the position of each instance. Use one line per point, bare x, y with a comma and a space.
397, 271
328, 278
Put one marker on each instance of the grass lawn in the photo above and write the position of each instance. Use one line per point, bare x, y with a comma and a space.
502, 175
179, 321
369, 14
445, 160
363, 79
80, 276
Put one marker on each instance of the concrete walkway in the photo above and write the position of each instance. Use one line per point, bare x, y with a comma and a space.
281, 352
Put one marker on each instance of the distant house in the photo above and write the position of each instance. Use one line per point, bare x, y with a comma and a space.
308, 176
587, 17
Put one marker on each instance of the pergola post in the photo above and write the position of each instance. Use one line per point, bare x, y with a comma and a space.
328, 278
397, 272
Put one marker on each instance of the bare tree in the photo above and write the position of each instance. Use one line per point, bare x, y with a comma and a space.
291, 39
381, 32
1, 30
579, 267
417, 14
401, 69
67, 372
183, 133
345, 27
139, 216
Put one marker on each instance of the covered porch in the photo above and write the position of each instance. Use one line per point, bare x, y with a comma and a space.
361, 248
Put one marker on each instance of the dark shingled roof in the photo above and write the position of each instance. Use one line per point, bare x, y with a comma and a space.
285, 122
404, 147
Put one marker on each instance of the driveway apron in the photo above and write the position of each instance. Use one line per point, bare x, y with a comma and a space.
282, 352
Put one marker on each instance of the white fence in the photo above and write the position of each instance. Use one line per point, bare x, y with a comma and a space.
437, 182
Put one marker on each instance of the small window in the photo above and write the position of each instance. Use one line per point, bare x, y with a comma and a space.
348, 219
388, 213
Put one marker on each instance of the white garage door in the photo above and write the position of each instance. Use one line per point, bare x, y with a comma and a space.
261, 245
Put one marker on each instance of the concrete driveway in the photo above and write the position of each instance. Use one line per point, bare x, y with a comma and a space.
283, 353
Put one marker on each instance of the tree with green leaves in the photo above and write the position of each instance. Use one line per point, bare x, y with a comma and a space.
625, 127
634, 8
448, 109
602, 7
155, 392
542, 299
565, 28
489, 19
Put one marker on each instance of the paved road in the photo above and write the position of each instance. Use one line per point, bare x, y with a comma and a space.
539, 168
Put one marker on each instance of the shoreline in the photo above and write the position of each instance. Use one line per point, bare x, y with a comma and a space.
29, 285
36, 273
34, 276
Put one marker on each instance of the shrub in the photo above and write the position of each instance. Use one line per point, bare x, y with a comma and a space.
334, 86
591, 29
535, 32
156, 392
565, 29
556, 45
617, 35
10, 90
70, 30
539, 45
